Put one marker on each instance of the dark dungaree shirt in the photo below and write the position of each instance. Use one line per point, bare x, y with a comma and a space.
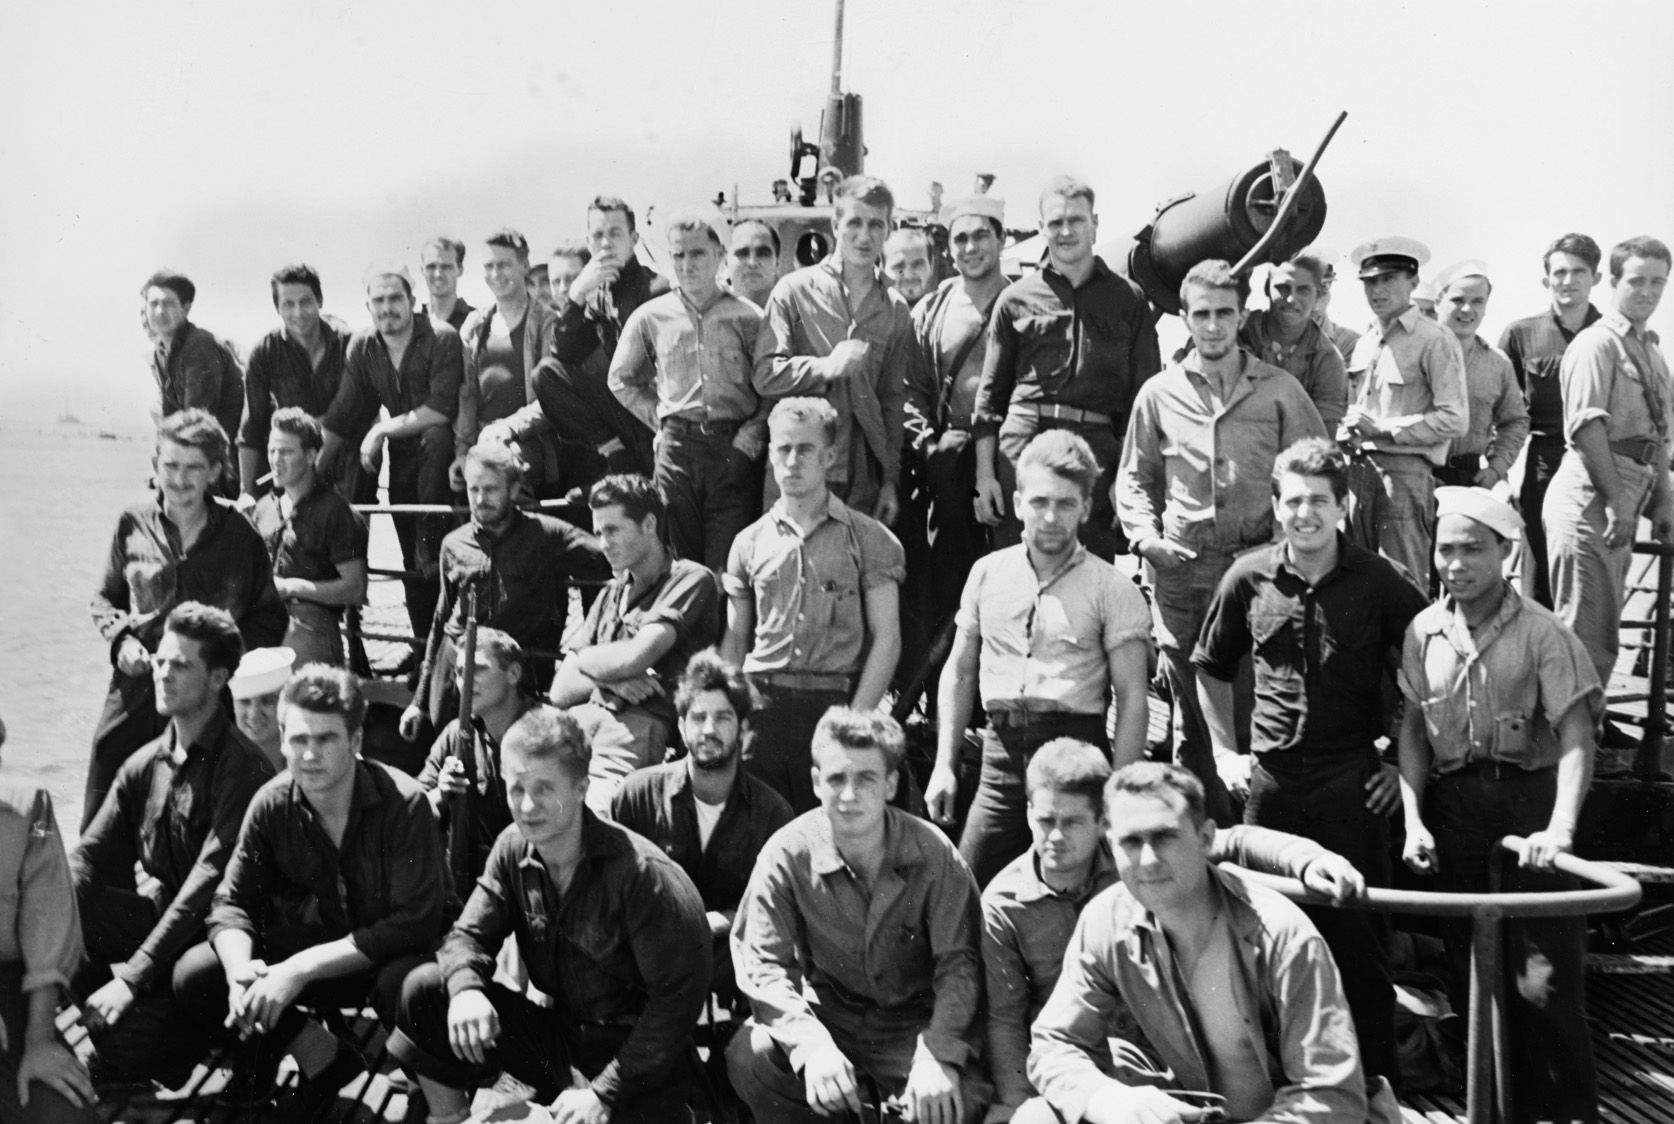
281, 374
322, 533
1320, 651
179, 820
585, 327
1536, 348
197, 371
432, 368
627, 946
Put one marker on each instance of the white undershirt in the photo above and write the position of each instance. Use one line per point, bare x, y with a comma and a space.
708, 815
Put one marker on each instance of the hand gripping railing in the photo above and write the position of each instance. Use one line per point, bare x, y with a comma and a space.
1487, 1084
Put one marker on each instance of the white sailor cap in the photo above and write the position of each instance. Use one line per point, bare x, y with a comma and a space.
1470, 267
1426, 291
386, 269
1482, 505
261, 672
1392, 251
982, 206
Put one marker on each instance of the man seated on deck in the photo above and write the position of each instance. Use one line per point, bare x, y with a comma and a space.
1185, 980
337, 889
174, 810
412, 369
1031, 906
608, 926
255, 688
521, 565
316, 541
618, 680
499, 698
1497, 739
41, 1079
683, 369
179, 546
857, 946
812, 602
707, 812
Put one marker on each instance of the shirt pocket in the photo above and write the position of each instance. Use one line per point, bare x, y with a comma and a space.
1511, 735
1446, 720
1273, 637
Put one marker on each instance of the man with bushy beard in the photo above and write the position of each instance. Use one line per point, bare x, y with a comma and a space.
704, 811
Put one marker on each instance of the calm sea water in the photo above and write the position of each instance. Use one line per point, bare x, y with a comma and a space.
62, 490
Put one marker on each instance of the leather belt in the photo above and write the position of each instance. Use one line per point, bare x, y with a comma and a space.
805, 680
1641, 450
1072, 414
690, 427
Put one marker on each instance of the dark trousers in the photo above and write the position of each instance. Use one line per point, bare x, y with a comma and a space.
155, 1037
418, 473
711, 492
536, 1045
778, 737
201, 987
996, 830
957, 539
576, 399
1321, 795
127, 721
1545, 454
1547, 1046
46, 1105
1101, 533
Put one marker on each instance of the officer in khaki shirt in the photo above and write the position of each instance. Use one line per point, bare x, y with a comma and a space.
1497, 739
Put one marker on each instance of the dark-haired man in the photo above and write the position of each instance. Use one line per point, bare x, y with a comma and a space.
857, 946
1049, 635
839, 331
192, 367
1286, 335
1407, 400
563, 266
180, 546
503, 344
316, 541
173, 810
442, 259
619, 678
753, 265
812, 601
1192, 487
1618, 398
521, 565
683, 369
1030, 908
299, 363
1068, 347
1536, 348
337, 889
413, 370
1186, 977
1470, 777
608, 926
1320, 618
707, 812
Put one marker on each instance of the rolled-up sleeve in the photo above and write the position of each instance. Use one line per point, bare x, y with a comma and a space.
1567, 675
1587, 376
49, 928
999, 371
669, 933
418, 893
882, 558
1443, 365
1126, 616
1225, 637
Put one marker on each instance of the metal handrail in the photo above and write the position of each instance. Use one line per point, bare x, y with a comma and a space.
1487, 1086
1647, 762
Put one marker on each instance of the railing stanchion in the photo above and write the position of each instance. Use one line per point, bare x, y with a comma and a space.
1647, 763
1485, 969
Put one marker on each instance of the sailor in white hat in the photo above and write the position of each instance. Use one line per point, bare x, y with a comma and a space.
255, 688
1497, 739
1499, 422
1424, 298
1407, 401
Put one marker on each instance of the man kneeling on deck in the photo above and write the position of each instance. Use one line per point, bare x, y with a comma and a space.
608, 925
337, 889
1185, 986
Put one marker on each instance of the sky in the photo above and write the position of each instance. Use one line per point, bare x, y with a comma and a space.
225, 140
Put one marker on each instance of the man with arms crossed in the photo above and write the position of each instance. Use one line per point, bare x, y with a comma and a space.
837, 329
1187, 977
1322, 621
1050, 634
1030, 908
1536, 348
609, 927
1069, 346
1193, 483
317, 542
812, 601
1617, 401
856, 945
1497, 739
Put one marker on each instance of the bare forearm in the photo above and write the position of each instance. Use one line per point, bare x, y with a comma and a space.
235, 949
1215, 696
1414, 753
1593, 446
414, 422
1575, 768
42, 1025
329, 961
986, 447
877, 671
955, 697
249, 468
